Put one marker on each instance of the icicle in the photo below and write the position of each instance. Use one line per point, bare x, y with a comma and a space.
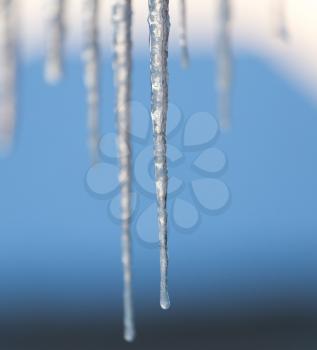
122, 16
281, 27
7, 76
224, 63
91, 59
159, 32
183, 41
55, 39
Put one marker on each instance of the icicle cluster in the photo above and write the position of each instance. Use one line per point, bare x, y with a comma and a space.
55, 40
122, 45
159, 23
92, 73
7, 75
159, 26
224, 63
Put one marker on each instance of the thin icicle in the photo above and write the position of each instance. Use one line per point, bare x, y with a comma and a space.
55, 40
91, 60
122, 17
183, 41
159, 24
281, 26
7, 75
224, 63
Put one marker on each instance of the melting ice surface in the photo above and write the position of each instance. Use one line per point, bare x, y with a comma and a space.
122, 45
159, 32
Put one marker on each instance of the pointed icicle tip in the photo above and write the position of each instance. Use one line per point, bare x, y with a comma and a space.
129, 335
165, 300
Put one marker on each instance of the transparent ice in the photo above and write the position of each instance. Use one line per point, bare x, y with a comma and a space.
159, 33
122, 46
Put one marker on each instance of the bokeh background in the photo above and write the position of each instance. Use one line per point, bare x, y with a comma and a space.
246, 278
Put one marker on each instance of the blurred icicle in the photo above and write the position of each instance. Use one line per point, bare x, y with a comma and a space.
55, 41
91, 78
183, 40
122, 46
159, 24
281, 26
7, 75
224, 81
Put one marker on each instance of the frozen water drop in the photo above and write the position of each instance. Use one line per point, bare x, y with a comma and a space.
129, 334
165, 299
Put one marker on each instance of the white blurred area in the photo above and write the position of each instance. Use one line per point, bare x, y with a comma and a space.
254, 29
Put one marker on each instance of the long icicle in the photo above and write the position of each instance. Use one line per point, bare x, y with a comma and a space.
7, 75
91, 78
159, 24
122, 18
55, 41
224, 63
183, 40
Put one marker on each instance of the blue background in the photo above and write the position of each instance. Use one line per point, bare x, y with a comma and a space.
60, 252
